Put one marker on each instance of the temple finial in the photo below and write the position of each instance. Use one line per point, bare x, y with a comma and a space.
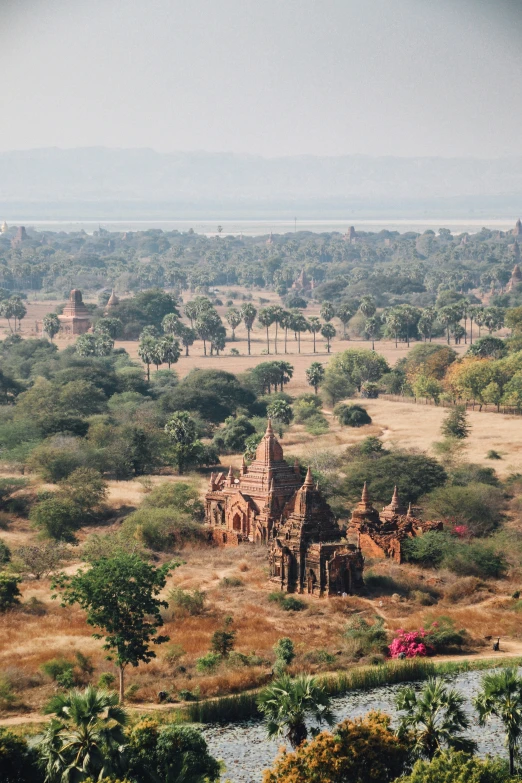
395, 503
365, 497
308, 482
269, 430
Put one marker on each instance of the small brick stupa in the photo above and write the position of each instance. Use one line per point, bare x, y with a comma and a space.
75, 318
381, 535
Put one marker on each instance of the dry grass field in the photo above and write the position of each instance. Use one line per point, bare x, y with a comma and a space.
31, 635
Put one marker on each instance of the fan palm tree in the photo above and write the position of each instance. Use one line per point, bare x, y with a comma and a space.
266, 319
277, 317
286, 703
234, 318
248, 314
501, 696
434, 719
314, 324
86, 737
286, 323
328, 331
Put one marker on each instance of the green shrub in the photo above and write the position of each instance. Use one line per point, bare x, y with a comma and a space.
480, 507
448, 767
287, 602
8, 700
57, 457
285, 654
5, 553
429, 550
352, 415
9, 592
179, 495
492, 454
131, 693
18, 762
443, 636
162, 529
317, 425
305, 407
57, 518
187, 602
106, 680
476, 559
208, 663
57, 668
365, 638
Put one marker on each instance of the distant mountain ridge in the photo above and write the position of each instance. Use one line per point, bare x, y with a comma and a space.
70, 179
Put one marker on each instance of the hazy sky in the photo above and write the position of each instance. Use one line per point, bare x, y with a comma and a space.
273, 77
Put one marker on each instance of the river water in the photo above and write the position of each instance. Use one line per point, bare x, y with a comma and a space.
246, 751
237, 227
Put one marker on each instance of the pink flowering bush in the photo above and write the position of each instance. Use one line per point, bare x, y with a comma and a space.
410, 644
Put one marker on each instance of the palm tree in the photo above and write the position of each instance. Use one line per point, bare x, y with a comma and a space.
286, 703
434, 719
248, 314
277, 316
314, 324
372, 328
266, 319
501, 696
286, 323
368, 306
328, 331
286, 371
344, 314
327, 311
169, 348
146, 352
86, 737
315, 375
233, 317
299, 324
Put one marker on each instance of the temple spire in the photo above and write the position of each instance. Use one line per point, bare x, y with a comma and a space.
308, 482
365, 497
395, 502
269, 430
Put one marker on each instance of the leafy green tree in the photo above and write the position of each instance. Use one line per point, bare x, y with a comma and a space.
358, 366
100, 344
234, 434
86, 488
433, 719
9, 592
18, 762
315, 375
111, 326
448, 767
119, 595
51, 325
170, 754
248, 314
328, 331
488, 348
182, 432
86, 737
414, 474
456, 423
501, 696
365, 750
287, 702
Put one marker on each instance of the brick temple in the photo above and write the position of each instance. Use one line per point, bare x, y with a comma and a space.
380, 535
269, 503
75, 318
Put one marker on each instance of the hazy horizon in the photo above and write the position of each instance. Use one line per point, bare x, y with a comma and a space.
330, 78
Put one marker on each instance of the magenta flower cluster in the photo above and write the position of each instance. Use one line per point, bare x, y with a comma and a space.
410, 644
